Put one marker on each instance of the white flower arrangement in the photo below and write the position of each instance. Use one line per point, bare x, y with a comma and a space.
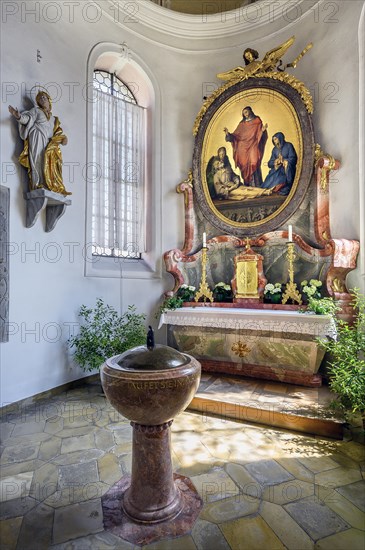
312, 288
223, 286
186, 292
272, 289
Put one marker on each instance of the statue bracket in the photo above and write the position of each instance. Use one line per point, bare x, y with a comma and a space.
41, 199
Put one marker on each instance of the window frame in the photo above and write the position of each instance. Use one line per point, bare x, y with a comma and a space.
148, 95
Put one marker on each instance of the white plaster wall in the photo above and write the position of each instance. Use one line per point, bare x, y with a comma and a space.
45, 294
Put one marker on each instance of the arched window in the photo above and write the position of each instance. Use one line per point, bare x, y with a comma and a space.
119, 162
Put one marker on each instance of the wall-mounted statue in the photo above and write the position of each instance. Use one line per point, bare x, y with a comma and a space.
42, 157
42, 135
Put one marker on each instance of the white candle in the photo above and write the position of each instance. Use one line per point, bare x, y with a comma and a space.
290, 233
204, 240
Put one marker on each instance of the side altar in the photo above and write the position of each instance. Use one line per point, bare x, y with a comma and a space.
272, 344
256, 212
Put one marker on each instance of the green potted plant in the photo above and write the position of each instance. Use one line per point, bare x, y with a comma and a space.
103, 333
311, 289
222, 292
346, 364
273, 293
186, 293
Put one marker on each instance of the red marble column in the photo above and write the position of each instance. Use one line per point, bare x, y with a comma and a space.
152, 496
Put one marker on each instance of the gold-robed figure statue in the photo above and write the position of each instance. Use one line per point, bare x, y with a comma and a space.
42, 135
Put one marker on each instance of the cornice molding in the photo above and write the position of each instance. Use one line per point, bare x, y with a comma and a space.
192, 32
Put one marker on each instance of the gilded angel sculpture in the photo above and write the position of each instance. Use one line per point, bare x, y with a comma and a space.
270, 61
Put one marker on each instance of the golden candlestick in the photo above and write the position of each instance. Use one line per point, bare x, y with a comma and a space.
291, 290
204, 290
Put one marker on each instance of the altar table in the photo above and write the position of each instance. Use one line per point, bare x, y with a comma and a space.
271, 344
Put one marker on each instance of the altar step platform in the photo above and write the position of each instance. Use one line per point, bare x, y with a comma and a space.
274, 404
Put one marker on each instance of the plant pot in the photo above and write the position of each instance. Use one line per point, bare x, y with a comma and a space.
276, 298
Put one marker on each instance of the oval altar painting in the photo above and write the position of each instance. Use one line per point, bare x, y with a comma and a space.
254, 156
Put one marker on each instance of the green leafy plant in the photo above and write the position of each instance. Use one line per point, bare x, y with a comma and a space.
170, 302
347, 359
322, 306
186, 293
103, 333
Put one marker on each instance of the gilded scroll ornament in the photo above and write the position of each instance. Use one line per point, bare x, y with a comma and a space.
338, 285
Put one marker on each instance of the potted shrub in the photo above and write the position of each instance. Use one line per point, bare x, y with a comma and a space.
103, 333
311, 289
273, 293
346, 365
222, 292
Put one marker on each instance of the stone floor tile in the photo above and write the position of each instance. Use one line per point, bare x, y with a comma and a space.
76, 421
355, 493
28, 439
50, 448
126, 463
54, 425
338, 477
15, 468
348, 511
17, 486
6, 429
318, 464
36, 529
109, 469
180, 543
79, 493
45, 482
27, 428
215, 485
248, 485
100, 541
346, 461
315, 518
19, 453
291, 535
77, 520
122, 449
298, 470
9, 529
230, 508
75, 432
122, 434
290, 491
77, 457
208, 535
77, 475
78, 443
352, 539
268, 472
198, 467
356, 451
250, 534
104, 439
16, 507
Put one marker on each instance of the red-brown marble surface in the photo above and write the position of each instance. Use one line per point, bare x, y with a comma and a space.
117, 522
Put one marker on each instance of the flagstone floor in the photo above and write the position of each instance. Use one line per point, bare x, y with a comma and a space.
263, 488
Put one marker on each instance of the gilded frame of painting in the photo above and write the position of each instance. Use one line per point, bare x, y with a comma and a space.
237, 179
